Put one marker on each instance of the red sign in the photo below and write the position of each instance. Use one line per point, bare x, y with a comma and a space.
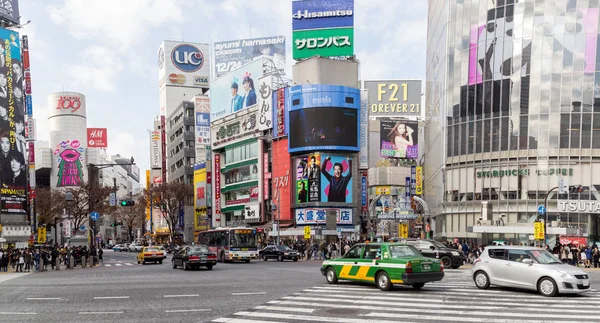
27, 82
69, 102
266, 176
163, 142
25, 59
218, 184
280, 112
281, 178
31, 153
97, 138
254, 192
235, 202
572, 240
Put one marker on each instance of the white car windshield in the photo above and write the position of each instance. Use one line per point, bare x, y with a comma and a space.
544, 257
403, 251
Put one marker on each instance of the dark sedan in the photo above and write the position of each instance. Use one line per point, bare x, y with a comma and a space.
278, 252
194, 257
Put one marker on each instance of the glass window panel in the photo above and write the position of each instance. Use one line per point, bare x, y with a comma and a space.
533, 131
478, 136
463, 138
596, 131
487, 130
575, 130
471, 141
495, 137
586, 130
565, 122
565, 98
555, 93
449, 141
504, 136
523, 132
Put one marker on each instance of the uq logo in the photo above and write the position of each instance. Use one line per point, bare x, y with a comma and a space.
187, 58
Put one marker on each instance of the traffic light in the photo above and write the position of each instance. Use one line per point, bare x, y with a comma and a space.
127, 203
575, 189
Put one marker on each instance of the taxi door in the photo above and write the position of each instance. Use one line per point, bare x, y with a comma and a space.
363, 269
348, 266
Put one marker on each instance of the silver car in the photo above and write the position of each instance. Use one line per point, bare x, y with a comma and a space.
528, 268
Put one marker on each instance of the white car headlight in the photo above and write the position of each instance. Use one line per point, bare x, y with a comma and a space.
455, 253
565, 274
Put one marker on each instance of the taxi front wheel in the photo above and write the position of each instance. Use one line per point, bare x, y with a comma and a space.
383, 281
331, 276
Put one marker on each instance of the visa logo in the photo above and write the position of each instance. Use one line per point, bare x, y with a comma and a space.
200, 80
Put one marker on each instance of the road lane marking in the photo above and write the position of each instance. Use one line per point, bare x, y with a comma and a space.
128, 264
305, 318
107, 265
252, 293
118, 264
232, 320
92, 313
18, 313
182, 311
42, 298
286, 309
189, 295
111, 297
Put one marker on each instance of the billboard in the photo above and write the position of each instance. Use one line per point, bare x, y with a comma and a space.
12, 126
308, 178
317, 14
97, 138
155, 161
202, 108
323, 178
364, 132
217, 179
419, 180
315, 215
231, 55
394, 98
184, 64
27, 73
235, 129
281, 178
399, 139
323, 117
279, 112
9, 11
201, 220
265, 103
235, 91
323, 42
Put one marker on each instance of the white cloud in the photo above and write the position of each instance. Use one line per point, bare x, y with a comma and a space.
99, 69
124, 143
123, 24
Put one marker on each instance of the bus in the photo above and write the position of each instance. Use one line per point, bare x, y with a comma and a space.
230, 244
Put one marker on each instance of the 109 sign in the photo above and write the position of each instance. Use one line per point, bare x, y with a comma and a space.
187, 58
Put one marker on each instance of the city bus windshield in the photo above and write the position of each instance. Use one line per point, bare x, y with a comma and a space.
243, 239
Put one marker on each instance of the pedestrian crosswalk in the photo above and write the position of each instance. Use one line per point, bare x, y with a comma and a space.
447, 301
119, 264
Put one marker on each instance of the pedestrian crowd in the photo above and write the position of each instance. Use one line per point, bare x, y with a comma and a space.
580, 256
40, 258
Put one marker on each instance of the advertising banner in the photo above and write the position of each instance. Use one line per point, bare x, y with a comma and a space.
29, 105
323, 42
235, 90
323, 117
265, 103
30, 133
394, 98
419, 180
12, 125
184, 64
316, 14
413, 180
316, 215
217, 180
229, 132
155, 160
31, 154
399, 139
308, 179
201, 220
301, 180
336, 179
202, 108
9, 10
364, 192
282, 182
163, 147
231, 55
364, 132
97, 138
279, 112
266, 176
252, 212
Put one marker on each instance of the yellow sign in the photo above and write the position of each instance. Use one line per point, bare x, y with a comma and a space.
306, 232
383, 190
403, 230
41, 238
538, 231
419, 180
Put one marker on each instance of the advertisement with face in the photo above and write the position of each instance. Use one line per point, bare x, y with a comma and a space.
235, 91
201, 220
184, 64
231, 55
323, 117
399, 139
336, 179
12, 125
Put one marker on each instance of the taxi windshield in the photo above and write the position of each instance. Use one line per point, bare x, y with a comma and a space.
403, 251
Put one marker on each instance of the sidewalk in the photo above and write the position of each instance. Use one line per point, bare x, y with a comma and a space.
8, 276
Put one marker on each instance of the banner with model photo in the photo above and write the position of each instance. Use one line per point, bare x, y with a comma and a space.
12, 125
399, 139
201, 219
235, 91
231, 55
323, 178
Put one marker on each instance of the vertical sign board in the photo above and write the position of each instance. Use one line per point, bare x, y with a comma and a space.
163, 141
27, 72
266, 176
265, 102
364, 127
364, 201
413, 180
419, 179
217, 184
407, 189
279, 130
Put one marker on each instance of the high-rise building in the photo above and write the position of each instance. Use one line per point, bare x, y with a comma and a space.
181, 146
513, 119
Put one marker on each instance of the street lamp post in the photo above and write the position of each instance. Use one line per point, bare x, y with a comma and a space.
546, 214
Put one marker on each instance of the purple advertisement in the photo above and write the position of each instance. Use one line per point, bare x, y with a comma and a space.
399, 139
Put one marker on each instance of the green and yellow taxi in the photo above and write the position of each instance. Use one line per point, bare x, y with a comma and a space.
384, 264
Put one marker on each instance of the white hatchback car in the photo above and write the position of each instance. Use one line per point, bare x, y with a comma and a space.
528, 268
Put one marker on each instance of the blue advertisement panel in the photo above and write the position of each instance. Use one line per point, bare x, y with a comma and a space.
322, 117
320, 14
12, 125
203, 128
336, 179
29, 105
235, 91
363, 192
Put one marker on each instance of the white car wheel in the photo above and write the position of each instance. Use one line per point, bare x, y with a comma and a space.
482, 280
547, 287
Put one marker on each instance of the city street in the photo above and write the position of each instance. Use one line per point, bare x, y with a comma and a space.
123, 291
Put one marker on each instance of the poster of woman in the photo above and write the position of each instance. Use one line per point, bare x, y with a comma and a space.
399, 139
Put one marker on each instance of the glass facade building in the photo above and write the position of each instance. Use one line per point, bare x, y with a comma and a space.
513, 110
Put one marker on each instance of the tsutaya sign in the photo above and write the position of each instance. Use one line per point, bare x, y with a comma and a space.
524, 172
579, 206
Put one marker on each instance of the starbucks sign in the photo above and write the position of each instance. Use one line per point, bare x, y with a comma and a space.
506, 172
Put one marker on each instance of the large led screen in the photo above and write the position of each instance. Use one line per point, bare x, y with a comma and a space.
323, 129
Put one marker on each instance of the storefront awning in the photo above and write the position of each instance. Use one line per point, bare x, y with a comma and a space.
269, 225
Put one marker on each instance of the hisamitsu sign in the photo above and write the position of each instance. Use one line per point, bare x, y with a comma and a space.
319, 14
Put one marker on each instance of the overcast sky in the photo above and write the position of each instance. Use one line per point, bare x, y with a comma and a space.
107, 50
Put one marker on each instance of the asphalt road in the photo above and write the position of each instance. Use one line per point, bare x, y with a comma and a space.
120, 290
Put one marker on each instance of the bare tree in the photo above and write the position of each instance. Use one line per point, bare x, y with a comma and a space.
79, 208
49, 206
132, 216
171, 197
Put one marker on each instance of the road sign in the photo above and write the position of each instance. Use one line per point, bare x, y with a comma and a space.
538, 231
339, 232
41, 237
541, 210
112, 199
403, 230
306, 232
563, 186
82, 228
94, 215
